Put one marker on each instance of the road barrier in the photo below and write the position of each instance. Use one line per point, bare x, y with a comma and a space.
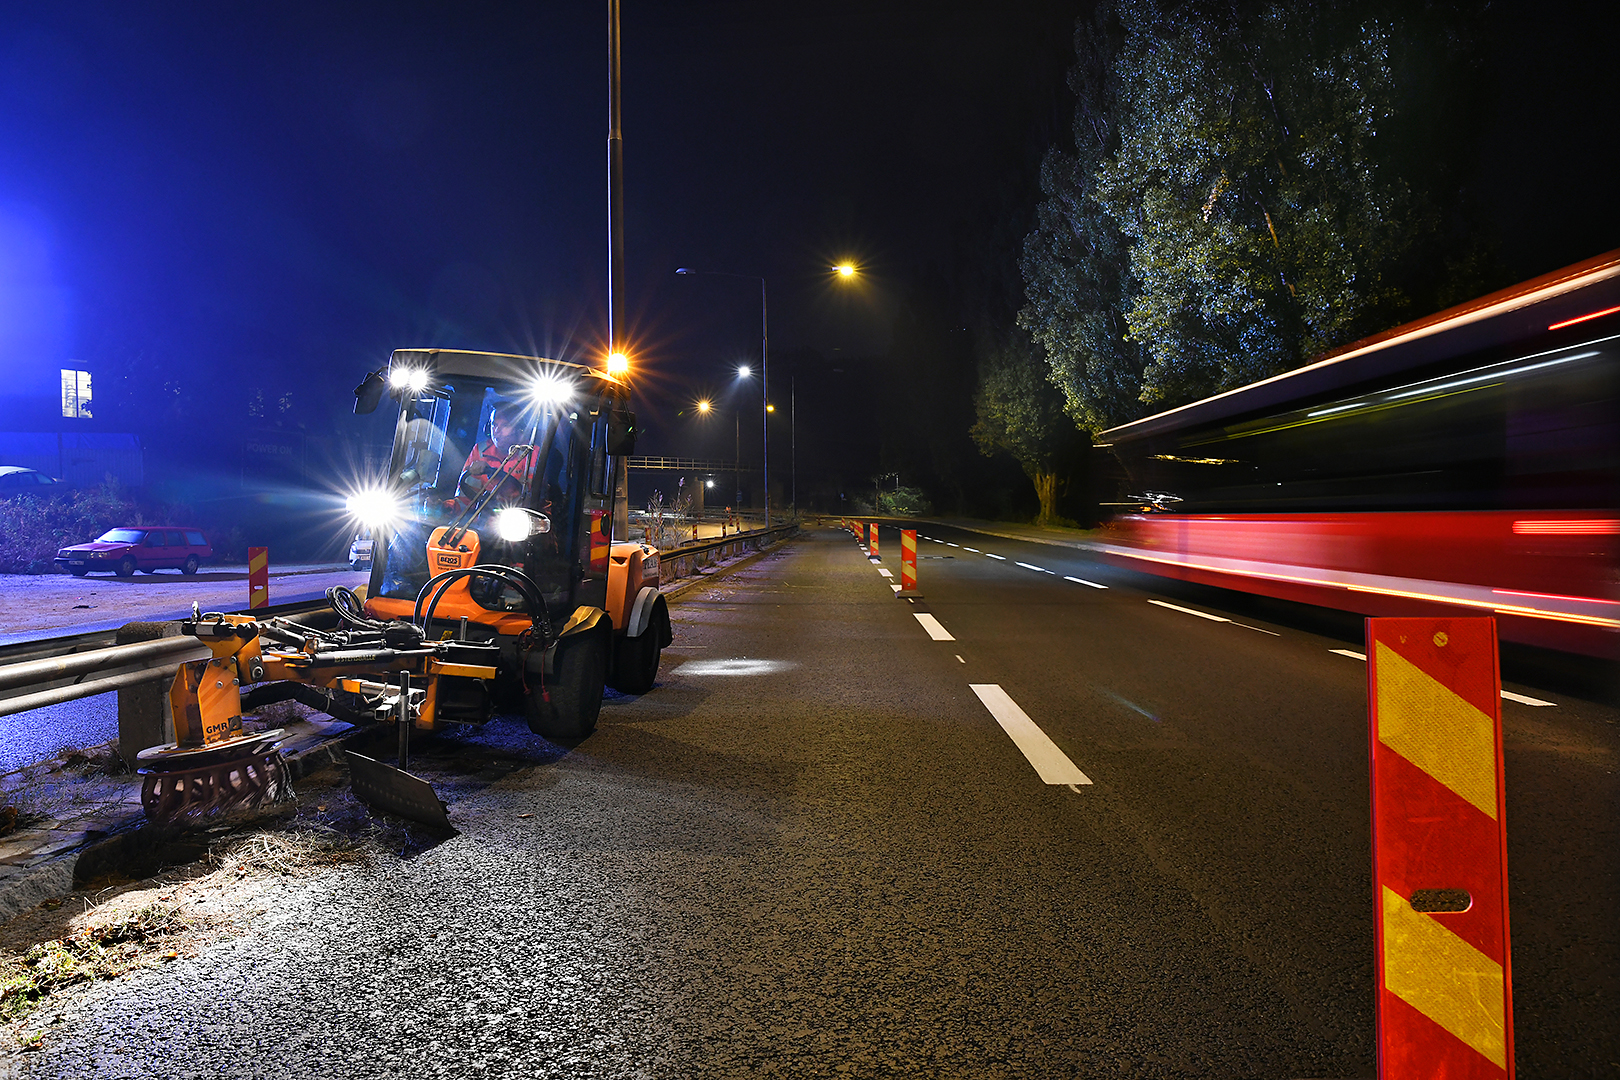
908, 561
680, 562
258, 577
1444, 976
875, 556
138, 661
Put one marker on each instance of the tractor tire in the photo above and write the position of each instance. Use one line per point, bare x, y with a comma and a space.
565, 706
126, 568
635, 667
190, 566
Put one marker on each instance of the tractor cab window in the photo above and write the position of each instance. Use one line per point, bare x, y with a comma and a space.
463, 453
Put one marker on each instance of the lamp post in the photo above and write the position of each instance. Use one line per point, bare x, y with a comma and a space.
764, 378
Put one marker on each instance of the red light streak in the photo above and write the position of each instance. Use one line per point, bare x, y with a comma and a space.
1566, 528
1584, 318
1551, 596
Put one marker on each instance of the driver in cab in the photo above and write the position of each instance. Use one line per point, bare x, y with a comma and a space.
491, 465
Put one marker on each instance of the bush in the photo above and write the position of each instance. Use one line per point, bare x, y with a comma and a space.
33, 527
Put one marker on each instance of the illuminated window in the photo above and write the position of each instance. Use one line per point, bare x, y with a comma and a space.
75, 394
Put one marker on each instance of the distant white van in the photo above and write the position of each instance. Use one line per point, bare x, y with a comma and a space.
360, 551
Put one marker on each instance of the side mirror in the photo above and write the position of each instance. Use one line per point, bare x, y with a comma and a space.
368, 395
621, 433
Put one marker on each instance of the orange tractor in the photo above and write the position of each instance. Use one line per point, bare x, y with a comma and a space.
497, 585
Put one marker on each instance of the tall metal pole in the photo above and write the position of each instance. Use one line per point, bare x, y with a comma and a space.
615, 189
765, 398
793, 437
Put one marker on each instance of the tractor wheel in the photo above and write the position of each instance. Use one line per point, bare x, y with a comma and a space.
126, 568
635, 668
190, 566
567, 707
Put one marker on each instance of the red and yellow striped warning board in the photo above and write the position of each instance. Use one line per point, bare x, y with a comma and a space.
908, 560
258, 577
1445, 997
873, 545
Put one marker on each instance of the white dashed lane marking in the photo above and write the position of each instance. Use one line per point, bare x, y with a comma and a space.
1003, 558
1032, 566
1051, 764
1189, 611
1211, 618
1083, 581
1522, 699
931, 624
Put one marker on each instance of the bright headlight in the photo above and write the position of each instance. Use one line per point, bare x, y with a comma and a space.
374, 508
516, 524
551, 390
414, 379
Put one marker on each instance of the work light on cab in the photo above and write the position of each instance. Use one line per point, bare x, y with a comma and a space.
551, 390
374, 508
515, 524
414, 379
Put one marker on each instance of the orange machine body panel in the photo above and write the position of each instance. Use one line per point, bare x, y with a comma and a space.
631, 567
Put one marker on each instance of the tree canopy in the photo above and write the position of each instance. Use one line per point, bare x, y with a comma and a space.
1234, 205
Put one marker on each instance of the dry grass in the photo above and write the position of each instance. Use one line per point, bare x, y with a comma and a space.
91, 936
100, 950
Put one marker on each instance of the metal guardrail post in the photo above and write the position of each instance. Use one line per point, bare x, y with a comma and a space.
144, 718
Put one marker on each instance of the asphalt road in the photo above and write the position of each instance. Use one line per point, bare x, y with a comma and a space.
812, 851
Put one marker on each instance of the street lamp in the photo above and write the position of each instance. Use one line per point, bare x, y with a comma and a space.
764, 377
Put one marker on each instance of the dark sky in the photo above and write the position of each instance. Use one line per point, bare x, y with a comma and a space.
223, 196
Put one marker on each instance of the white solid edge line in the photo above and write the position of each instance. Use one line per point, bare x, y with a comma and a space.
1522, 699
1190, 611
1003, 558
1032, 566
931, 624
1051, 764
1083, 581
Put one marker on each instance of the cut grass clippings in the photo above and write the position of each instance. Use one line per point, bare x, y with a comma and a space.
99, 951
144, 925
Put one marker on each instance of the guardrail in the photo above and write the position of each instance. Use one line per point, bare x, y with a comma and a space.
683, 560
52, 671
35, 684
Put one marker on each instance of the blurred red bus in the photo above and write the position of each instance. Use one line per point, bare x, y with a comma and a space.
1466, 463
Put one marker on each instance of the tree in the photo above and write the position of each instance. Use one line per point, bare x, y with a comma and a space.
1238, 160
1022, 413
1075, 263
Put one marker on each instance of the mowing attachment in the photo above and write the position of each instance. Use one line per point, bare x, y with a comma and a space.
179, 781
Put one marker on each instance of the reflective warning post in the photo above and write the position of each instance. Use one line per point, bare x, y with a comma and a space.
1443, 970
258, 577
874, 544
908, 561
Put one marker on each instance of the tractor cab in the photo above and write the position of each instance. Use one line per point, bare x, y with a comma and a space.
496, 522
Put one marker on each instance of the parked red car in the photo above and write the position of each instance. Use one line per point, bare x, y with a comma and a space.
124, 551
